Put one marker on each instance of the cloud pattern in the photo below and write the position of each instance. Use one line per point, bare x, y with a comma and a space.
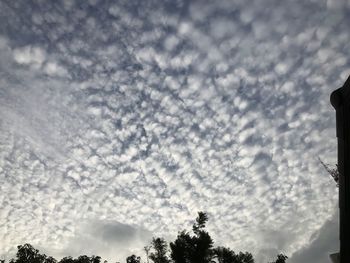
137, 114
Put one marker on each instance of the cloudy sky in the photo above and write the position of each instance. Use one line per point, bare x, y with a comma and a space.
119, 120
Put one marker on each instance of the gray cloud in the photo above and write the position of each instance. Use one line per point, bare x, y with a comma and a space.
113, 240
322, 243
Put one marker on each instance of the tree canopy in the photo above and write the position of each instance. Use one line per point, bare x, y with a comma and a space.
197, 247
133, 259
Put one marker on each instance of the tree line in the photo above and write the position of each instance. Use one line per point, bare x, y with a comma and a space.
195, 247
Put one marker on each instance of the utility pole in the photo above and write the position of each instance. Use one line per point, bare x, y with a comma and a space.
147, 249
340, 100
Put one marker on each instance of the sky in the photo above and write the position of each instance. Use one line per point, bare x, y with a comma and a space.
120, 120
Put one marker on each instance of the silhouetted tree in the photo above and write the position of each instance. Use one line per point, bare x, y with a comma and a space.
50, 260
226, 255
27, 253
86, 259
203, 242
281, 258
187, 248
182, 248
133, 259
199, 225
160, 251
67, 260
81, 259
245, 257
193, 249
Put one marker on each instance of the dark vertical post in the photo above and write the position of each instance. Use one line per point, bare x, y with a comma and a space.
340, 100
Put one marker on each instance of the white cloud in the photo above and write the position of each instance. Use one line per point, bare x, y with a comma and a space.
337, 4
29, 55
52, 68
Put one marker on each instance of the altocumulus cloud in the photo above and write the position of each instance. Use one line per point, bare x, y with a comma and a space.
121, 119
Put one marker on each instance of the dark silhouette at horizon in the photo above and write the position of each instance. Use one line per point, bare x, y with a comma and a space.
186, 248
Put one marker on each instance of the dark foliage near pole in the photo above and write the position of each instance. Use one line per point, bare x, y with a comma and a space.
333, 172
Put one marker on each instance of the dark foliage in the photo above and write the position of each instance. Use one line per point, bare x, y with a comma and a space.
187, 248
133, 259
27, 253
281, 258
333, 172
160, 248
193, 249
226, 255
